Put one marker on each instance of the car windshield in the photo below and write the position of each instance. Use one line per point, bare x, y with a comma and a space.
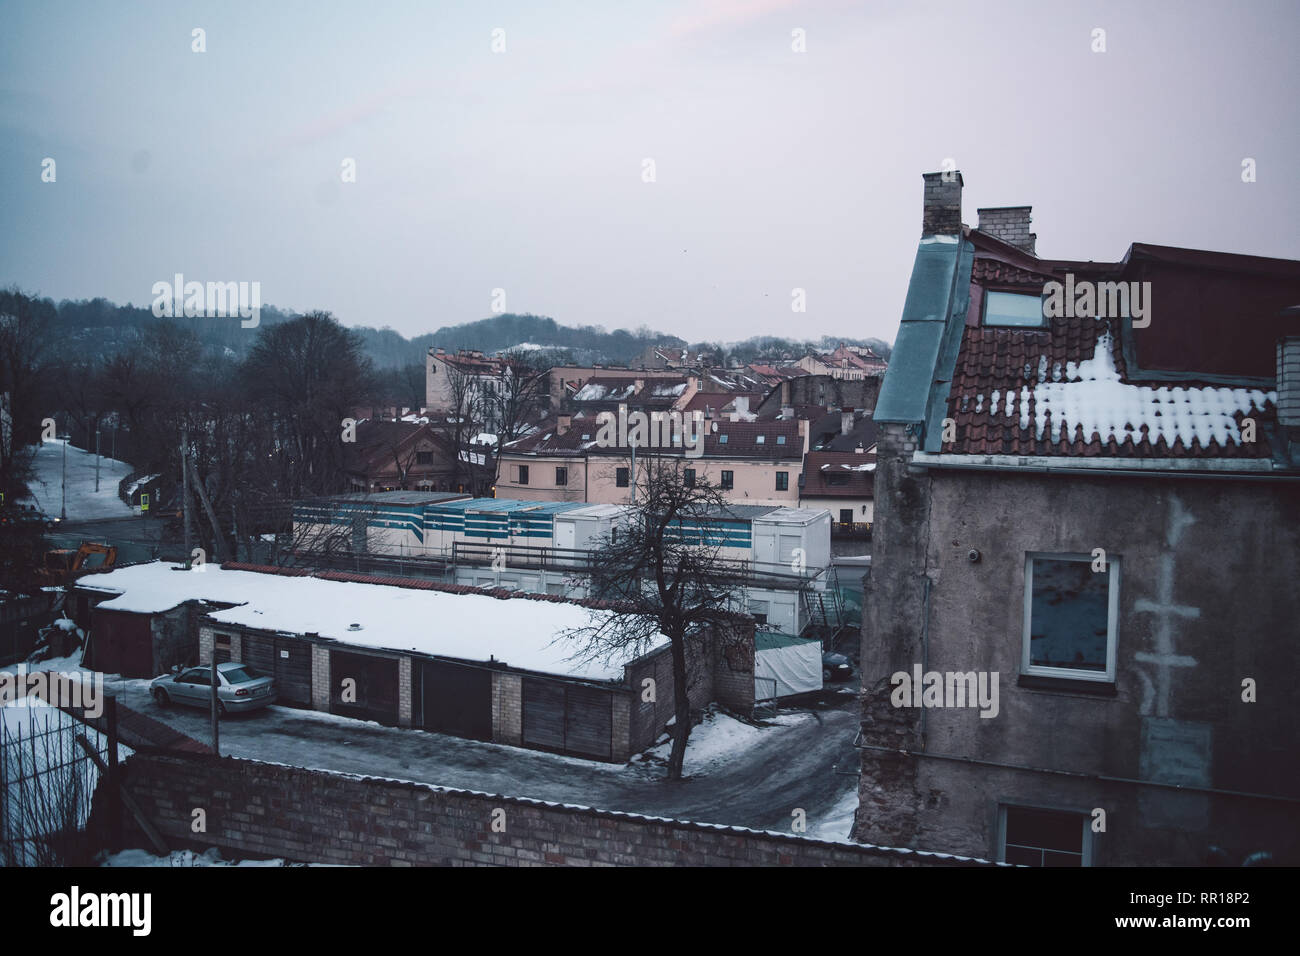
240, 675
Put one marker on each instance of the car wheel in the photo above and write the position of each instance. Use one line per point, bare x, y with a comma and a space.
826, 673
161, 697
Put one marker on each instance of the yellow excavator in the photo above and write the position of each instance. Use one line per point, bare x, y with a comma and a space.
64, 564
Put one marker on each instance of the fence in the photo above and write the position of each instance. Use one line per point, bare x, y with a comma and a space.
47, 781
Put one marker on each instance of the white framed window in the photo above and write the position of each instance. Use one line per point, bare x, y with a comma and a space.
1071, 616
1013, 309
1038, 836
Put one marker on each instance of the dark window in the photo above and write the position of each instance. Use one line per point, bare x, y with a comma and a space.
621, 478
1042, 837
688, 477
424, 458
728, 480
1013, 309
523, 474
783, 481
846, 516
1070, 610
836, 478
561, 476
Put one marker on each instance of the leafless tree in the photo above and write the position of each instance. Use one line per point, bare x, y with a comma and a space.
666, 573
514, 403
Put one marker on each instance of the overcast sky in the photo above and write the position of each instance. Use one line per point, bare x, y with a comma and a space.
523, 169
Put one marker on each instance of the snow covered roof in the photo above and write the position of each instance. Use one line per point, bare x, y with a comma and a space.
1064, 391
520, 632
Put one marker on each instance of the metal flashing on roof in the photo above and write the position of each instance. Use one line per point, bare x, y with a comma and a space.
905, 391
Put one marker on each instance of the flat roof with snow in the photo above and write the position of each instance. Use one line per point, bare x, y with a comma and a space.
520, 632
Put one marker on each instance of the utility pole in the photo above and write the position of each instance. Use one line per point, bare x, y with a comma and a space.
63, 514
185, 487
97, 433
216, 714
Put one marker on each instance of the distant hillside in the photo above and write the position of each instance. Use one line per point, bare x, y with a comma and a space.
96, 328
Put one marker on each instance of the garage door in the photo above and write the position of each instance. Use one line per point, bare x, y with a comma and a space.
567, 718
374, 680
454, 699
285, 659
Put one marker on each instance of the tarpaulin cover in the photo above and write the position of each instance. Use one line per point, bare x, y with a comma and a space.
792, 664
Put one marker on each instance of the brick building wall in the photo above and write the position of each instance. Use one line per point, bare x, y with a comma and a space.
268, 810
507, 708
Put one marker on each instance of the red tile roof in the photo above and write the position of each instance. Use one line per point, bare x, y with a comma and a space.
819, 466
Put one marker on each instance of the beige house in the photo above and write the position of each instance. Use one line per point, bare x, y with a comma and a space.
757, 463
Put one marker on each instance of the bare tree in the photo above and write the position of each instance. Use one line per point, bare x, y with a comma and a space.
666, 573
455, 421
514, 403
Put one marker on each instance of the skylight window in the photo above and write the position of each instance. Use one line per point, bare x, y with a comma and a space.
1013, 309
722, 439
780, 439
759, 440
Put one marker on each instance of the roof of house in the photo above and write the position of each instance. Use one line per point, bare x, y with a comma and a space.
1091, 387
855, 474
774, 440
1073, 387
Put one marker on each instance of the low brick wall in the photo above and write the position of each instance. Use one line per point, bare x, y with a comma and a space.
259, 809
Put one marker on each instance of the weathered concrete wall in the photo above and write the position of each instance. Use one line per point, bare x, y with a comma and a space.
1209, 596
309, 815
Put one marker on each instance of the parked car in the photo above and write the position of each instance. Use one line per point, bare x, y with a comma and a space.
242, 688
29, 516
836, 666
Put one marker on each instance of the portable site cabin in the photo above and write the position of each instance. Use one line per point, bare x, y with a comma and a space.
786, 538
492, 521
587, 527
385, 522
785, 665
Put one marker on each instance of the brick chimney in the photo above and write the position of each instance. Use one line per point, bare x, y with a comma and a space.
563, 423
846, 421
941, 206
1010, 224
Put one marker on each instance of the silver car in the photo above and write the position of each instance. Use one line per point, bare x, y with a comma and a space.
242, 688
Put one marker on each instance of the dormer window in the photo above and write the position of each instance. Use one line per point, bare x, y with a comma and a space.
1013, 310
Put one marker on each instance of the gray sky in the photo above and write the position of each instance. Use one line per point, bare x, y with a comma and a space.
522, 170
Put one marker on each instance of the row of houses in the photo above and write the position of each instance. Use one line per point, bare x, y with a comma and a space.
1093, 511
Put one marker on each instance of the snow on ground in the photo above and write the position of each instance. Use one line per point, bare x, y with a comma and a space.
837, 823
210, 857
720, 738
84, 503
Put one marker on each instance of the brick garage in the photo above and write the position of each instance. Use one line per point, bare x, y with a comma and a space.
268, 810
490, 700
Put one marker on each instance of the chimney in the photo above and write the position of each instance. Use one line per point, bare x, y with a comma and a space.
1010, 224
846, 421
563, 423
941, 207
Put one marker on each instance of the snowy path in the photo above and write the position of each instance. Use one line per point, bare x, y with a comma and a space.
83, 501
740, 775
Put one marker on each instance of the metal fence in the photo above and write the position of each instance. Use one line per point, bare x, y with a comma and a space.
47, 782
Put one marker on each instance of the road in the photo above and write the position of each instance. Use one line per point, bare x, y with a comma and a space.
808, 763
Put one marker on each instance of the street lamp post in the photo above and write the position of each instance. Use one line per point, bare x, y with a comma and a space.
63, 514
97, 433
